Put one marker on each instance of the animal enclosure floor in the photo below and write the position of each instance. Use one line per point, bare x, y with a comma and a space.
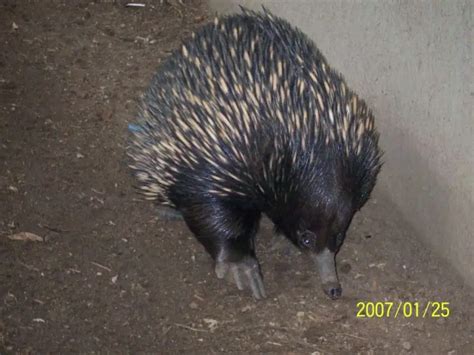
109, 274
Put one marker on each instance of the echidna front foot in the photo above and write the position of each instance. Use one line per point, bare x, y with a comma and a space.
245, 273
228, 232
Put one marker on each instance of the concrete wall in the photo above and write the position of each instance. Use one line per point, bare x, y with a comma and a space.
412, 62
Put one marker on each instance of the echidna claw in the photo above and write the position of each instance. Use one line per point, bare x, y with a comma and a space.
245, 274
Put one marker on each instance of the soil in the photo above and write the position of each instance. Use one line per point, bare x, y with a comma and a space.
110, 274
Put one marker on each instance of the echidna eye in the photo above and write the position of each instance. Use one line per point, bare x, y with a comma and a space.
306, 242
307, 239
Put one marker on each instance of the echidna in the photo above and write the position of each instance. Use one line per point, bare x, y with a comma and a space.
248, 118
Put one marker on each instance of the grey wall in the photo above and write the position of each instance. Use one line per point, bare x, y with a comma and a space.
412, 62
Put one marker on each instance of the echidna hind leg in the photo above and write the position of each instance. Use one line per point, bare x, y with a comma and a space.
228, 234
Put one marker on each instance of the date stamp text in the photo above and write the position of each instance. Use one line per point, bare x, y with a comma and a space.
405, 309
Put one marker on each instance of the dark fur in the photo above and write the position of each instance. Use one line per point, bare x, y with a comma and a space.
314, 195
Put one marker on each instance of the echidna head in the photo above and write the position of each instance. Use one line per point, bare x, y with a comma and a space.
321, 232
323, 223
318, 227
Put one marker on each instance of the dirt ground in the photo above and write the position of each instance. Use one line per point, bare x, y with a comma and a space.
109, 273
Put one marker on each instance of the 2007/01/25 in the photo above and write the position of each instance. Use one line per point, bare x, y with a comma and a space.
403, 309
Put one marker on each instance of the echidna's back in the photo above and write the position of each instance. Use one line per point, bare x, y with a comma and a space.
246, 108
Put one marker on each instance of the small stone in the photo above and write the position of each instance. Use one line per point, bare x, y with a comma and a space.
300, 317
105, 114
193, 305
345, 268
246, 308
109, 31
406, 345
